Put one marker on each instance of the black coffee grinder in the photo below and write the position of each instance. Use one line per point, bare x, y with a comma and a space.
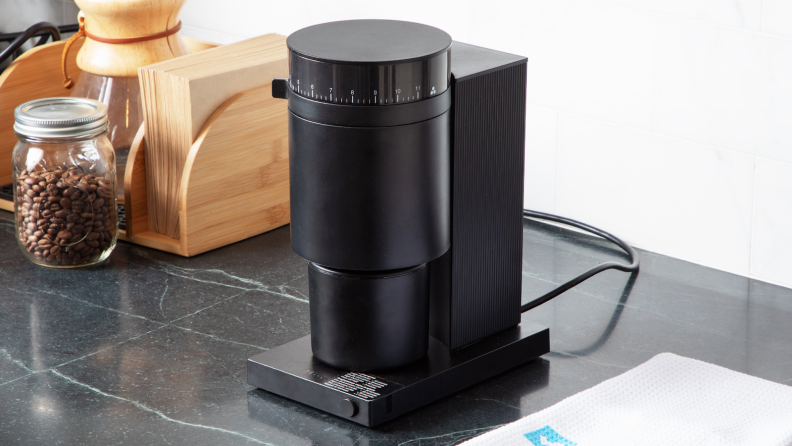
406, 169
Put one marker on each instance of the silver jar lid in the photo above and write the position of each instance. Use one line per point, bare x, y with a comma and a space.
62, 117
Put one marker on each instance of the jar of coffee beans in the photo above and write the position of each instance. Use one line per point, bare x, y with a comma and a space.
64, 182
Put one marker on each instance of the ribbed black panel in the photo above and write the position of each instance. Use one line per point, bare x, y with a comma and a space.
485, 259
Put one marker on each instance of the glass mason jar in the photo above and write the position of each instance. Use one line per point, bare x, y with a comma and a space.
121, 95
64, 182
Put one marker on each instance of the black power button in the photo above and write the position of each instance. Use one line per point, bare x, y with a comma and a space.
349, 408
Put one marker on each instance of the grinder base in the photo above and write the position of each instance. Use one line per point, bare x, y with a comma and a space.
374, 398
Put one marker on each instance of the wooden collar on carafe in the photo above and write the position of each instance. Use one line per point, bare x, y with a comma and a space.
68, 82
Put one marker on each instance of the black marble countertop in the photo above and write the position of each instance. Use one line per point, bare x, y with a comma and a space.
150, 348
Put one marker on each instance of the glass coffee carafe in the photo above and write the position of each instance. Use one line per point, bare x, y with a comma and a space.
121, 36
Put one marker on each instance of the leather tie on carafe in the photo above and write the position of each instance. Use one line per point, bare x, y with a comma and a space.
68, 82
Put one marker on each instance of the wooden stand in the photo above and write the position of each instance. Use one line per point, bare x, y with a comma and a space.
235, 183
236, 179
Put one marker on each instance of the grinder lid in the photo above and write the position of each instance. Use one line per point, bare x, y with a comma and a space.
369, 62
369, 41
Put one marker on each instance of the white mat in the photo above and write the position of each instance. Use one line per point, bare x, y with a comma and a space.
668, 400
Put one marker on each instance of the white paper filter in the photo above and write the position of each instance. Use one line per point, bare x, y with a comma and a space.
668, 400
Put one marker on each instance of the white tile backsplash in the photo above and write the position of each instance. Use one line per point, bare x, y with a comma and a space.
679, 198
210, 35
244, 18
771, 257
646, 117
541, 136
249, 18
777, 17
583, 58
737, 13
452, 16
18, 15
726, 88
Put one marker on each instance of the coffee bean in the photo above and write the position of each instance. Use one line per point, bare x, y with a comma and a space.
55, 222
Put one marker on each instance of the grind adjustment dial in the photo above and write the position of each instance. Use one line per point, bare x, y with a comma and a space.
369, 62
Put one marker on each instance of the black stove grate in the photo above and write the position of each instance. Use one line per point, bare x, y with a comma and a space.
7, 192
121, 217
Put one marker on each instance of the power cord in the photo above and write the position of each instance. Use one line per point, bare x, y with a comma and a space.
632, 267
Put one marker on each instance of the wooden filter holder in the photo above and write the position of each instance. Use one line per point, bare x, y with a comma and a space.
235, 182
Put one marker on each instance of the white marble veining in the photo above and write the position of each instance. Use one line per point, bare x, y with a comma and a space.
674, 197
146, 408
583, 57
771, 256
541, 137
726, 88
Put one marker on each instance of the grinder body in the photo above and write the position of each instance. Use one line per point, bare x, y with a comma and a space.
370, 167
